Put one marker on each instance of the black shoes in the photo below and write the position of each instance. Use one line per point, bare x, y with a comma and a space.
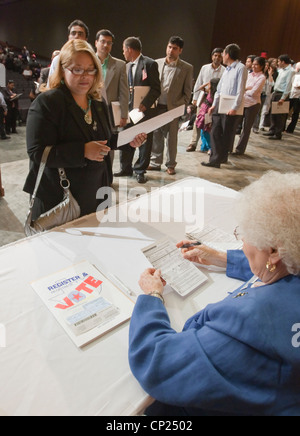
123, 173
275, 138
141, 178
211, 165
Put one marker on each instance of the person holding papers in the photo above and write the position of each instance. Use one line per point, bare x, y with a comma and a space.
72, 118
239, 356
143, 79
224, 125
114, 74
282, 89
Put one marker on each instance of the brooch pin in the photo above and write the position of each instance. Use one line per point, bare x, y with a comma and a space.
241, 294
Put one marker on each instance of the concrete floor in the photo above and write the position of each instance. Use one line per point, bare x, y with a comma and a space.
261, 155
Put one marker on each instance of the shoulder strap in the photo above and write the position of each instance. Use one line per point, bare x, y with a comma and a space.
40, 173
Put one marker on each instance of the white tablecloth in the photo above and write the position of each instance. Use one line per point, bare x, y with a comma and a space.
41, 370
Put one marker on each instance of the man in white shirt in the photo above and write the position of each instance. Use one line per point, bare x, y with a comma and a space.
232, 83
295, 100
76, 30
207, 72
282, 89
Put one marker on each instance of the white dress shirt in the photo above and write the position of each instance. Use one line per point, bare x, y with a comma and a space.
207, 73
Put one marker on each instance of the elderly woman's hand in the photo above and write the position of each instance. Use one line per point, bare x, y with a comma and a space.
151, 281
96, 150
138, 140
203, 255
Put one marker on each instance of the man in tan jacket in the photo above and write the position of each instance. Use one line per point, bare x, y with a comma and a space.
114, 75
176, 78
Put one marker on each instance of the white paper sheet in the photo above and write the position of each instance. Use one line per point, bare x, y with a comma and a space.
214, 237
183, 276
136, 115
128, 135
226, 104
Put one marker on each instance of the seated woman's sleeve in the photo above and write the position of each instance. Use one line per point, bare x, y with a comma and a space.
238, 266
204, 367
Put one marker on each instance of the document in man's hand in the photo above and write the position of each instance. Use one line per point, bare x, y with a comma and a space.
227, 103
128, 135
283, 108
84, 302
182, 275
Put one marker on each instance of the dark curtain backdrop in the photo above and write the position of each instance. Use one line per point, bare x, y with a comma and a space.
259, 25
42, 26
256, 25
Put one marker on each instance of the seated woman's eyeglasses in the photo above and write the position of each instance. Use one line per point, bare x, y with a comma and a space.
237, 234
81, 71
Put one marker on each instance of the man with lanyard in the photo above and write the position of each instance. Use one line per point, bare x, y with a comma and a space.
207, 72
282, 89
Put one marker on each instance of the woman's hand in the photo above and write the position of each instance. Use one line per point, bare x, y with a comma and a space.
151, 281
138, 140
96, 150
203, 255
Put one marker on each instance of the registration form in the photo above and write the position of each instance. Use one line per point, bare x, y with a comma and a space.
182, 275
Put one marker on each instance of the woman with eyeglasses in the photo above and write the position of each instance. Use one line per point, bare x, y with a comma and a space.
240, 356
72, 118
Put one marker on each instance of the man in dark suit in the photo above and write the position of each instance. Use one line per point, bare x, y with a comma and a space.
12, 107
141, 71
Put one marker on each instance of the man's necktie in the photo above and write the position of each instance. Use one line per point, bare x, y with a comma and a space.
130, 82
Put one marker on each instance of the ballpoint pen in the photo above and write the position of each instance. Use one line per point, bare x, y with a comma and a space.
122, 286
194, 244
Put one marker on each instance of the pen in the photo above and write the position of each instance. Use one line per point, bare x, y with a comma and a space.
122, 286
195, 244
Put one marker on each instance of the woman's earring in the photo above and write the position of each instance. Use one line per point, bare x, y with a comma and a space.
270, 267
62, 81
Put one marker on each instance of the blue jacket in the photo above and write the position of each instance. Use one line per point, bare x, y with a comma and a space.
238, 356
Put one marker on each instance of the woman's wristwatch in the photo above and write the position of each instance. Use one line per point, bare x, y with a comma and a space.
157, 295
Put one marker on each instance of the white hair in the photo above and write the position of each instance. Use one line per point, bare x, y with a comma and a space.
268, 213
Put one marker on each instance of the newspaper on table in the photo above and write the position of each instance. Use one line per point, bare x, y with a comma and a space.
182, 275
84, 302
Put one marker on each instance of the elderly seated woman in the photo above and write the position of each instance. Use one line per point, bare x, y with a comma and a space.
240, 356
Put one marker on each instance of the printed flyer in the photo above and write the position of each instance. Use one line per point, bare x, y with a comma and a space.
85, 303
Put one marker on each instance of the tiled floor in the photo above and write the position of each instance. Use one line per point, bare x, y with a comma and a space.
261, 156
